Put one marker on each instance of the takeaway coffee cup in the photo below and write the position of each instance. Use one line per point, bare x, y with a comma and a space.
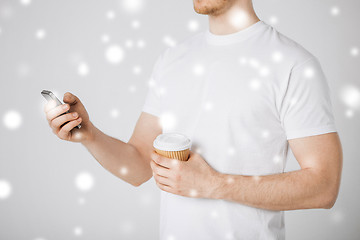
173, 145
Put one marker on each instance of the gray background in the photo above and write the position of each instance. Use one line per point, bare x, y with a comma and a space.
40, 171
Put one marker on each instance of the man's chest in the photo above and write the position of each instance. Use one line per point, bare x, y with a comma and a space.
225, 86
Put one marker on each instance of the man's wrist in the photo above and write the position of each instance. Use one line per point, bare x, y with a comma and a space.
218, 186
90, 135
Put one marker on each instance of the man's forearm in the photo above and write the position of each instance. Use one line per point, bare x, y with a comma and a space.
301, 189
120, 158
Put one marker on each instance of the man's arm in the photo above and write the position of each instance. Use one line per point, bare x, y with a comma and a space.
128, 161
316, 185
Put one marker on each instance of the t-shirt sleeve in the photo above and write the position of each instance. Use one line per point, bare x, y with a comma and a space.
306, 107
152, 99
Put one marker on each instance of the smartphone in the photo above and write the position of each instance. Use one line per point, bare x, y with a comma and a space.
48, 95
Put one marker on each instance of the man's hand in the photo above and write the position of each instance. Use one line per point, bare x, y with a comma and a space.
192, 178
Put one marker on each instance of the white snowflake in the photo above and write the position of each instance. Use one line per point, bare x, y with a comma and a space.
350, 95
5, 189
114, 54
40, 34
169, 41
12, 119
193, 25
84, 181
273, 20
83, 69
335, 11
167, 120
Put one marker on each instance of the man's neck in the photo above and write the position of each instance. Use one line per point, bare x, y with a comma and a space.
239, 16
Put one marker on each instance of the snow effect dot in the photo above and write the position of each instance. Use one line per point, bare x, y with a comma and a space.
198, 69
277, 57
198, 150
214, 214
40, 34
229, 236
129, 43
167, 120
256, 178
349, 113
137, 70
110, 14
193, 25
170, 237
208, 106
169, 41
350, 95
78, 231
293, 101
309, 72
237, 18
162, 90
135, 24
5, 189
273, 20
12, 119
230, 180
264, 71
242, 60
335, 11
231, 151
354, 51
83, 69
254, 84
124, 170
114, 54
114, 113
141, 43
175, 162
132, 88
265, 134
151, 83
105, 38
193, 193
25, 2
277, 159
132, 6
84, 181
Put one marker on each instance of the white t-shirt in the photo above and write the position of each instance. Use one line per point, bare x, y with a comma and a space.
239, 97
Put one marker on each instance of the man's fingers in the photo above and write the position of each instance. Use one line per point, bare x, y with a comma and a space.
162, 180
57, 122
64, 131
53, 113
163, 161
159, 170
49, 105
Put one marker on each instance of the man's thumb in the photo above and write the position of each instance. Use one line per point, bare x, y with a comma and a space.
69, 98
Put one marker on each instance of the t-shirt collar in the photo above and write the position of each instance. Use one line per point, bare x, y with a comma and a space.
215, 39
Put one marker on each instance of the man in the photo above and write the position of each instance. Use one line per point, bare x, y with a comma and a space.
242, 92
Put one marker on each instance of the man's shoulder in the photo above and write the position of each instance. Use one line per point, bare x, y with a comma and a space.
289, 48
184, 46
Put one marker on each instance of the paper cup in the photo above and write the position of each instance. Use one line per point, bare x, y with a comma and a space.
173, 145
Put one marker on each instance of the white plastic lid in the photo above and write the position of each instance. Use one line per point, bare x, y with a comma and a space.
172, 142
